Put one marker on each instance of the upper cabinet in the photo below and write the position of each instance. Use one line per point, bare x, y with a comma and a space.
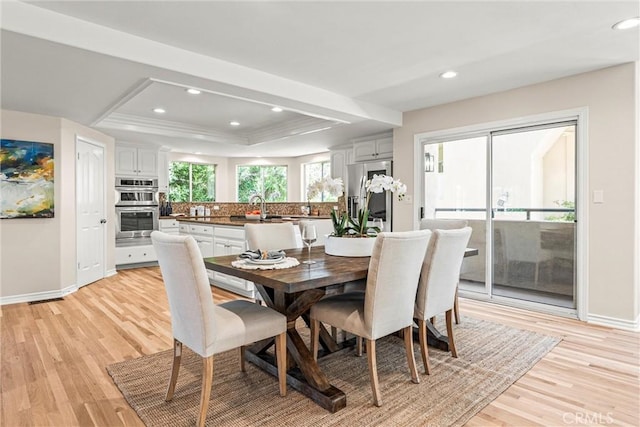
133, 161
378, 147
339, 161
163, 172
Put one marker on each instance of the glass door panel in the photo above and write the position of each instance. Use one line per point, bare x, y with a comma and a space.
455, 176
533, 214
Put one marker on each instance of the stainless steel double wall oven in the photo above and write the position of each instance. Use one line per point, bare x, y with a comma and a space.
136, 207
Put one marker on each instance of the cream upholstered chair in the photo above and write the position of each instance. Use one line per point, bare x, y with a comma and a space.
272, 236
445, 224
386, 305
323, 227
438, 282
204, 327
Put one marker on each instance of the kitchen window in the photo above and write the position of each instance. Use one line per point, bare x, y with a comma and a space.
192, 182
314, 172
270, 182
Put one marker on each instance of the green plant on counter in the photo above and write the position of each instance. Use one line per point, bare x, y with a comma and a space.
566, 217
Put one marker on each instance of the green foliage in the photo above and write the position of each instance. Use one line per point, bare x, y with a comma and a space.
267, 181
340, 224
360, 224
190, 182
568, 216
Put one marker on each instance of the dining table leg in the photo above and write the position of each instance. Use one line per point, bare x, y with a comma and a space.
306, 376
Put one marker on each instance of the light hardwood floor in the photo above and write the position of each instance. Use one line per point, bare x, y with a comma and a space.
54, 356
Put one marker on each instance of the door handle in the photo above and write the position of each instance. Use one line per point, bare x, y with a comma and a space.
103, 221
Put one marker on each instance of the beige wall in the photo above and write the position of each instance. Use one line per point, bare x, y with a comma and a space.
611, 98
39, 255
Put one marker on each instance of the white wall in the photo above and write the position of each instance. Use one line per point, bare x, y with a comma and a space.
611, 98
38, 256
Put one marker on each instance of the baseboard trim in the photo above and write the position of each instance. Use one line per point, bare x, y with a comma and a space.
38, 296
613, 322
110, 273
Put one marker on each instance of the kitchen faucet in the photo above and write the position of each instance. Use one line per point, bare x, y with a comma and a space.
263, 211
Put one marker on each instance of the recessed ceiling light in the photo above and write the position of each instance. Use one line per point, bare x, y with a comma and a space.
197, 152
193, 91
627, 23
234, 123
276, 109
448, 74
159, 110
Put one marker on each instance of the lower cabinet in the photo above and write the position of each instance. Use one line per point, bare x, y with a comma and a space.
230, 241
135, 255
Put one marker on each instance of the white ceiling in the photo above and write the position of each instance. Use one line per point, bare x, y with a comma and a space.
339, 69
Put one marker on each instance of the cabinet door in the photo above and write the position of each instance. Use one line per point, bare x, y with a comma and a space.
220, 247
338, 163
126, 161
147, 162
364, 151
163, 172
384, 148
206, 246
235, 247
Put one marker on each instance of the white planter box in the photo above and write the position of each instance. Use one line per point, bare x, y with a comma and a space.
349, 246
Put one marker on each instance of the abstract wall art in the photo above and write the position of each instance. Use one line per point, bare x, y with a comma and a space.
26, 179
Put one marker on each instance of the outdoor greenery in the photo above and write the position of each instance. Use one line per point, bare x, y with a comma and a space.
268, 181
192, 182
568, 216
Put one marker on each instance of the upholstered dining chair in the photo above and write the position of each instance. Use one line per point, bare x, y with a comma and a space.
445, 224
385, 306
438, 282
204, 327
272, 236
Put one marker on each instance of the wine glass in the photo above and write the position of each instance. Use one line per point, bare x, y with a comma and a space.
309, 235
379, 224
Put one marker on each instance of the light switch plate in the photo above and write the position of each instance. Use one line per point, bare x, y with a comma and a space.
598, 196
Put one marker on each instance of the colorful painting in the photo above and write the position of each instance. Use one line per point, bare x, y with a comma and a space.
26, 179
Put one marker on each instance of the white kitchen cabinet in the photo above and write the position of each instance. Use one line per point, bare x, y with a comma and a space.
339, 161
134, 161
377, 148
202, 234
163, 172
135, 255
230, 241
169, 226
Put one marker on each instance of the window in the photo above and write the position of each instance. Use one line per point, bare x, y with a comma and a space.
314, 172
192, 182
268, 181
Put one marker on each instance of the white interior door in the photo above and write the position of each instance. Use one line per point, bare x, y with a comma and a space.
90, 211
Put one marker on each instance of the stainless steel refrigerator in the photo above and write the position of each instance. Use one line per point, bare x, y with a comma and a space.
379, 203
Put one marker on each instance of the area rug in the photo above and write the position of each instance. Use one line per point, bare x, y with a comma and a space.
491, 357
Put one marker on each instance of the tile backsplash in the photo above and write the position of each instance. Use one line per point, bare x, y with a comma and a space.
273, 208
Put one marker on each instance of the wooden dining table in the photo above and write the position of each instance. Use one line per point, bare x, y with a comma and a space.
292, 292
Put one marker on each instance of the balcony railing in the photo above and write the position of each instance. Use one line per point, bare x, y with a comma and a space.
527, 211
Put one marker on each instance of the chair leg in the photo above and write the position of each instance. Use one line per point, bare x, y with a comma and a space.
281, 360
373, 372
452, 345
315, 338
177, 355
411, 360
422, 334
207, 380
358, 346
242, 366
456, 310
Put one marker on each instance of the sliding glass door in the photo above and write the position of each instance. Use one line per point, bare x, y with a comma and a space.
524, 227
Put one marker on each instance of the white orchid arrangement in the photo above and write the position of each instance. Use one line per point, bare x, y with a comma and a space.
333, 186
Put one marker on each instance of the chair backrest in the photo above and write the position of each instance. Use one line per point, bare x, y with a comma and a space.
323, 228
272, 236
188, 290
441, 272
442, 224
392, 280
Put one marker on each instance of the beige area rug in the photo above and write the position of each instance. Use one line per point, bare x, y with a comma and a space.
491, 358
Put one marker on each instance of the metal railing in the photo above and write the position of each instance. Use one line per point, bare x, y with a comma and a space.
528, 211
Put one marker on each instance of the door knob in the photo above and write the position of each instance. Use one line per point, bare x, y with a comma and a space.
103, 221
